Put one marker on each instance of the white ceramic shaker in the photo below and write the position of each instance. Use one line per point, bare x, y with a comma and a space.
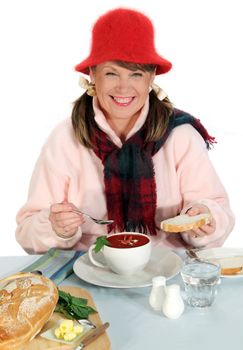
173, 305
157, 293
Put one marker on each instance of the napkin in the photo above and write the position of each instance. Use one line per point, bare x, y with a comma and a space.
55, 264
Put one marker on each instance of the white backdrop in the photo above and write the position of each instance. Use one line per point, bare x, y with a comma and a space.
42, 40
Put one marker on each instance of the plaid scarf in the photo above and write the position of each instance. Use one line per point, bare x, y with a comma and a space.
130, 186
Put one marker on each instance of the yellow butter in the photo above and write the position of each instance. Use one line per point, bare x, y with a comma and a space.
66, 325
58, 333
78, 329
69, 336
68, 331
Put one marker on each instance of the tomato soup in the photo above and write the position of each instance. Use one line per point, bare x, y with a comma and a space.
127, 240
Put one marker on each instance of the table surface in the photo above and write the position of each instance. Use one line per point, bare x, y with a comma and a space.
135, 326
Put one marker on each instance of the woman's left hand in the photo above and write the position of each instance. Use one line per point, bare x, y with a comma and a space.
205, 229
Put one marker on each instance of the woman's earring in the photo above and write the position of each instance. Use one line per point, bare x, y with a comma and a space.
161, 94
91, 91
89, 87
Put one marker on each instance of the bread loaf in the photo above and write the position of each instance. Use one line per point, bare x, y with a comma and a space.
27, 302
184, 222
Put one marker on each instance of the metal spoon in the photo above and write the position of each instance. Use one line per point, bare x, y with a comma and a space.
192, 254
97, 221
86, 322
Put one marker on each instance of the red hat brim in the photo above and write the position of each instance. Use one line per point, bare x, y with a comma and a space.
163, 65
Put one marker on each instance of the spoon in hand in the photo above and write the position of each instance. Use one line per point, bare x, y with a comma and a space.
97, 221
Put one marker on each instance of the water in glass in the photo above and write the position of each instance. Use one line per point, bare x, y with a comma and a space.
200, 279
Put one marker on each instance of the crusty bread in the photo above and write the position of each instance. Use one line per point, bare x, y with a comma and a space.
184, 222
27, 302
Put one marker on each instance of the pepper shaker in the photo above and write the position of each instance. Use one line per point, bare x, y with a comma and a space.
173, 305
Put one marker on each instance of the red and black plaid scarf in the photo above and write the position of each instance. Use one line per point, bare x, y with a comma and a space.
130, 187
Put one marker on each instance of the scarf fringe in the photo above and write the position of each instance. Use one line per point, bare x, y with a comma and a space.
210, 141
181, 117
134, 227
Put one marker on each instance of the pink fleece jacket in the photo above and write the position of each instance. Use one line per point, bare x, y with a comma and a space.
66, 169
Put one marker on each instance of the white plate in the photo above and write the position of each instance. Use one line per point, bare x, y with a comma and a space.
163, 262
226, 257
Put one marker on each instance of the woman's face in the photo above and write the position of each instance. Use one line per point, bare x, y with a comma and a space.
121, 92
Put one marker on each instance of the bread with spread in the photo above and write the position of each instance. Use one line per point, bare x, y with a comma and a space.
27, 302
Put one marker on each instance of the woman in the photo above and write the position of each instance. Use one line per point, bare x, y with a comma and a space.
126, 154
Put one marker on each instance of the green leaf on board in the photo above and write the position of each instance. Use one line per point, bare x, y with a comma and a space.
73, 307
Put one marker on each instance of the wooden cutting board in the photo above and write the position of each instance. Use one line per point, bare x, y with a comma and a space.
101, 343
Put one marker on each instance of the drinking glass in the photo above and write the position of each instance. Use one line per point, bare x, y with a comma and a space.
200, 279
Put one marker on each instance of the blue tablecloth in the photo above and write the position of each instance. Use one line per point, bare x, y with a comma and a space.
135, 326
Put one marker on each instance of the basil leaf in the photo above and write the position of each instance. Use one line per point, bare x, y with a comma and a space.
100, 242
79, 301
73, 307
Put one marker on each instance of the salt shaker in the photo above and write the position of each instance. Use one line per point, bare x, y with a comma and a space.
173, 305
157, 293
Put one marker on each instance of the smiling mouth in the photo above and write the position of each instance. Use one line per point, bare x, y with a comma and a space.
122, 101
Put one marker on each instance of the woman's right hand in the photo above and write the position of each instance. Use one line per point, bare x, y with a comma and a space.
64, 222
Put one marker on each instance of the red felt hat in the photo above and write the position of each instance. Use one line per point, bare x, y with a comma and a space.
123, 35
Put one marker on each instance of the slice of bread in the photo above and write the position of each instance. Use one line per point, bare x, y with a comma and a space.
184, 222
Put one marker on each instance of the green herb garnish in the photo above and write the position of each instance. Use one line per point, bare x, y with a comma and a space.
72, 307
100, 242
